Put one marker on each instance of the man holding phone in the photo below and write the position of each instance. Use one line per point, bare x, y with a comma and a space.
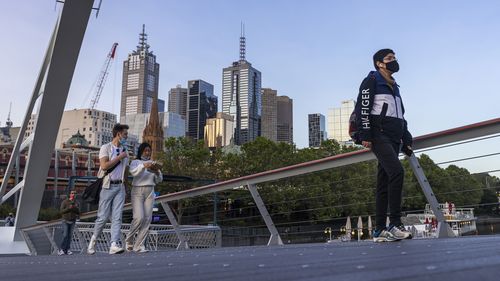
70, 210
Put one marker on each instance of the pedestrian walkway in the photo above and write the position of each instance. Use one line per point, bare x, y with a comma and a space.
464, 258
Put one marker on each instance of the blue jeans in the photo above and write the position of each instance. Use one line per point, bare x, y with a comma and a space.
111, 202
67, 235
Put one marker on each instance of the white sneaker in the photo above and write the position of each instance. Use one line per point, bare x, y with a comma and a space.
69, 252
91, 248
129, 246
141, 249
400, 232
61, 253
115, 249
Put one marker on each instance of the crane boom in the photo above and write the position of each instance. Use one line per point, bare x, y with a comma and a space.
101, 80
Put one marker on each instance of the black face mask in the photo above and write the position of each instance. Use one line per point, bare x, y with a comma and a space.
392, 66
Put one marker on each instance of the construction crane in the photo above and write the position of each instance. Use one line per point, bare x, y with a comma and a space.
101, 80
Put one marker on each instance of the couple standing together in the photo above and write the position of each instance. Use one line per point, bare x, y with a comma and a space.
114, 163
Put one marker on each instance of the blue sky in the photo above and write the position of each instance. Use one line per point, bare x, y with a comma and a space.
315, 52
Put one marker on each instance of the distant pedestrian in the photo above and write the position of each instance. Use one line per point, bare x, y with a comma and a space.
380, 113
70, 211
10, 220
146, 174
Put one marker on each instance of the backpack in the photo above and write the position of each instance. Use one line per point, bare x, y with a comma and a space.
92, 192
353, 127
355, 118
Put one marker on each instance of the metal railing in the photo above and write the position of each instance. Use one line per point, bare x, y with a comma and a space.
426, 142
45, 239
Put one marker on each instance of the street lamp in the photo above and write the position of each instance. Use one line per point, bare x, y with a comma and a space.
328, 230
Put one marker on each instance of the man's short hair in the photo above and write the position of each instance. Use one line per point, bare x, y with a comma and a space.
117, 128
380, 55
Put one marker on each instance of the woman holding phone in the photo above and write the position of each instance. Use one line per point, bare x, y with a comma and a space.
146, 175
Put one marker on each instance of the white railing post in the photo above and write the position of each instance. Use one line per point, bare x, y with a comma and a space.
443, 230
275, 238
183, 245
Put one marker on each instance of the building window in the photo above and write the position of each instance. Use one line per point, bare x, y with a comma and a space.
84, 129
151, 63
133, 81
150, 83
131, 105
149, 104
134, 62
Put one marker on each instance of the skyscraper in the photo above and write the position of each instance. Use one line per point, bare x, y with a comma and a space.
241, 96
277, 116
317, 131
338, 121
269, 118
284, 119
219, 131
140, 79
177, 100
201, 105
161, 105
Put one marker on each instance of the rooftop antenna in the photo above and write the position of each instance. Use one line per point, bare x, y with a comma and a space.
242, 43
143, 40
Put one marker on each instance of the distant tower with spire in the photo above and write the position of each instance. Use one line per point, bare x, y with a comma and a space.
140, 79
5, 136
9, 122
153, 133
241, 96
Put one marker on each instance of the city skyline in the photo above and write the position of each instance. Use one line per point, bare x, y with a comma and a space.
442, 50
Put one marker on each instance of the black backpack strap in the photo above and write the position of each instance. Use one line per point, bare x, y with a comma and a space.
108, 171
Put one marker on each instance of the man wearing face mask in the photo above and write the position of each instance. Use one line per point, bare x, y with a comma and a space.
146, 175
113, 157
384, 130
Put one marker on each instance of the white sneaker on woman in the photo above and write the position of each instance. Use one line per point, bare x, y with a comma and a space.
115, 249
141, 249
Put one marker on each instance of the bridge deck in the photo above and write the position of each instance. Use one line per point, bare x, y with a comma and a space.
465, 258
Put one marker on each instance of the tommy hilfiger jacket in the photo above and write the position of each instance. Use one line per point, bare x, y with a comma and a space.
381, 111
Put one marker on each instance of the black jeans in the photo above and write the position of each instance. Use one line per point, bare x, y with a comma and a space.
67, 235
389, 182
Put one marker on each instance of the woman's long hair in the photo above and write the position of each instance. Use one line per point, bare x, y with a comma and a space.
141, 148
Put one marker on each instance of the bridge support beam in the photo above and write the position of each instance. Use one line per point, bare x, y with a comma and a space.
54, 82
443, 230
275, 238
183, 245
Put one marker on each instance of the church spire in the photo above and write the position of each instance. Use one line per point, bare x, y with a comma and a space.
153, 132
